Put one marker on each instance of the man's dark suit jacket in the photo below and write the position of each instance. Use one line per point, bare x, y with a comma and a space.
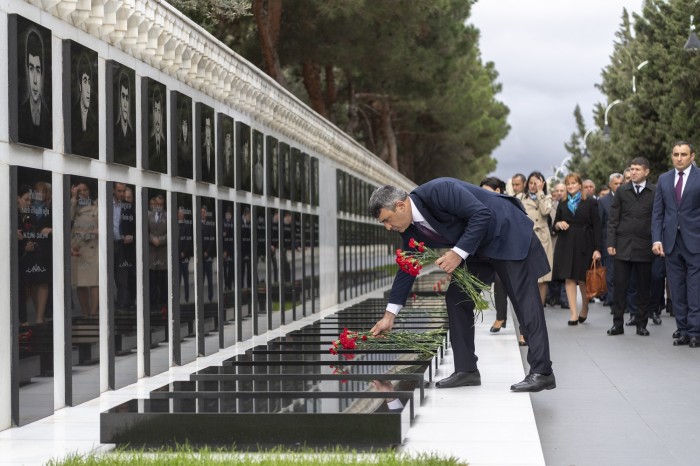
29, 133
157, 162
629, 223
484, 224
124, 145
668, 217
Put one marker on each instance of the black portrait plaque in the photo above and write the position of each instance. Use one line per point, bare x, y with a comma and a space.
243, 149
226, 155
181, 144
184, 322
285, 171
121, 113
30, 119
154, 125
228, 264
272, 165
80, 100
204, 119
258, 163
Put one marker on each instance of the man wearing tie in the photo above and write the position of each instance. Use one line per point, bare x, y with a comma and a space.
628, 241
676, 236
493, 233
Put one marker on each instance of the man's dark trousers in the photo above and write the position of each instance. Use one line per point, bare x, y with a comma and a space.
519, 280
683, 269
623, 276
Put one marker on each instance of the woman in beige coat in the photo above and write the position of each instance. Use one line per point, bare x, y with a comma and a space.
538, 205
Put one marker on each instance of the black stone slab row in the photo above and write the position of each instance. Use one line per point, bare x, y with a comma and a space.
291, 392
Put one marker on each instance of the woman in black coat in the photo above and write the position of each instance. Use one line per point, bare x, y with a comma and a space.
579, 241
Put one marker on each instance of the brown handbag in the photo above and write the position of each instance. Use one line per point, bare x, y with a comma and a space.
596, 285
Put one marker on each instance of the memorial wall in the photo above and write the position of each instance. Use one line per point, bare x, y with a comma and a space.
163, 199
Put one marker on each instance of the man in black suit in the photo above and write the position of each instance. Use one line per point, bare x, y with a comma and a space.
629, 242
34, 117
124, 136
493, 233
604, 203
676, 235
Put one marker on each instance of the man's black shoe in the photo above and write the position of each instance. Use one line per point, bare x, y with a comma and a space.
656, 318
632, 321
642, 331
694, 342
682, 340
460, 379
535, 383
676, 334
616, 330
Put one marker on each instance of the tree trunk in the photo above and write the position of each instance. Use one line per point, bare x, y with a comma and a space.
311, 74
387, 130
268, 15
331, 91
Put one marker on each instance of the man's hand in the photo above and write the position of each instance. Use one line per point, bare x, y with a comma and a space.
612, 251
449, 261
385, 324
658, 249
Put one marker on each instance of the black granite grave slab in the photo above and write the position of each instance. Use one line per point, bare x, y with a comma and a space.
309, 422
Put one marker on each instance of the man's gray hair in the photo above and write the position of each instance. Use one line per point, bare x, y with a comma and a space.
385, 197
614, 176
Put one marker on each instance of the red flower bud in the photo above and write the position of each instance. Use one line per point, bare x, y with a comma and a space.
364, 337
411, 243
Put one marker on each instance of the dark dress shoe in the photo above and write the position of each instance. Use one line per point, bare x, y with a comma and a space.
495, 329
535, 383
676, 334
642, 331
682, 340
460, 379
522, 342
616, 330
573, 322
582, 319
656, 318
694, 342
631, 321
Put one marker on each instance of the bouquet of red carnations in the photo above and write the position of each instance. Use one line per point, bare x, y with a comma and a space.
412, 262
426, 344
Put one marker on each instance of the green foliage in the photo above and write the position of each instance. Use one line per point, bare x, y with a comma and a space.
186, 456
666, 105
359, 61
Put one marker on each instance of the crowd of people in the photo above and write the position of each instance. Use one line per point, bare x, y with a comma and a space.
642, 233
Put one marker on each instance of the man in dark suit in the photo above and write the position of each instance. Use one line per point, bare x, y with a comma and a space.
629, 241
604, 203
676, 235
493, 233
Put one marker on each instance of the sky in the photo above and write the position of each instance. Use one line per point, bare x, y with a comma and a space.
549, 55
